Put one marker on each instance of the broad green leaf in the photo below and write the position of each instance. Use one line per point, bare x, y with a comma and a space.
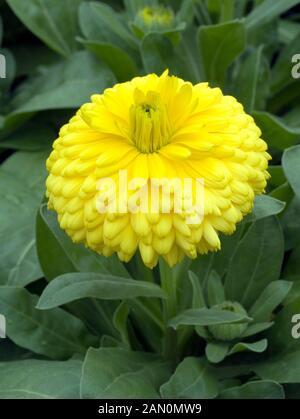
193, 379
37, 379
267, 11
120, 374
216, 351
55, 334
121, 64
266, 389
74, 286
99, 22
158, 54
270, 298
67, 84
291, 164
21, 184
258, 347
219, 46
59, 255
265, 206
256, 262
247, 81
284, 368
206, 317
275, 132
53, 21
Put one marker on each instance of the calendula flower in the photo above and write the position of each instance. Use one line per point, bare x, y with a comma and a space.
161, 129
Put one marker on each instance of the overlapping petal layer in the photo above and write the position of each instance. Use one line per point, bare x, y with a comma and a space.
156, 128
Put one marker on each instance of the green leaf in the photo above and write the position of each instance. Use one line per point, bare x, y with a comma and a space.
21, 184
284, 368
292, 267
288, 30
158, 54
35, 379
277, 176
257, 347
219, 46
206, 317
269, 299
267, 11
275, 132
99, 22
256, 328
216, 351
280, 336
55, 334
290, 164
54, 22
120, 321
294, 294
31, 137
74, 286
193, 379
256, 262
198, 301
121, 64
59, 255
265, 206
248, 79
215, 289
66, 84
283, 193
198, 297
266, 389
113, 373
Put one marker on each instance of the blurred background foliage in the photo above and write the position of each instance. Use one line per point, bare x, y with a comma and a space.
58, 53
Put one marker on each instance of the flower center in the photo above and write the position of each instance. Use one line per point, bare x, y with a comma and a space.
149, 122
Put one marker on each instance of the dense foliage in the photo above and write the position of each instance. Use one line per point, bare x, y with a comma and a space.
80, 325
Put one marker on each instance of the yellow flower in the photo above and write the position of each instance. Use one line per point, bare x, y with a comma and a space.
159, 128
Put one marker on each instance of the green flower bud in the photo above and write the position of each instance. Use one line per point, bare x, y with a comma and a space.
227, 332
155, 18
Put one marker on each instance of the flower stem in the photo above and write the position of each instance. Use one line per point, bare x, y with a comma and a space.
227, 10
169, 285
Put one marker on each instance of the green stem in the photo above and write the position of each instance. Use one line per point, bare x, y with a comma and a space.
227, 10
169, 285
